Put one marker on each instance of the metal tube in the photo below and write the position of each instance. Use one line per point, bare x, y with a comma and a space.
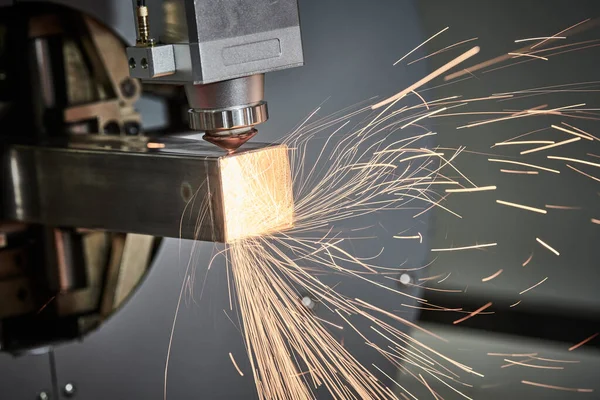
158, 188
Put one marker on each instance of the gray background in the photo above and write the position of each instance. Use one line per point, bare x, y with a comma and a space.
349, 48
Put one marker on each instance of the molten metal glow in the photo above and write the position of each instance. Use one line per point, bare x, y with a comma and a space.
257, 193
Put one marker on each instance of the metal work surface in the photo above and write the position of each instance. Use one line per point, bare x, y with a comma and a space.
82, 184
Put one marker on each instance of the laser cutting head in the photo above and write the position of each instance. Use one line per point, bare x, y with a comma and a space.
219, 51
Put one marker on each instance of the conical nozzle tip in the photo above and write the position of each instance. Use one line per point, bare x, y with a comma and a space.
230, 143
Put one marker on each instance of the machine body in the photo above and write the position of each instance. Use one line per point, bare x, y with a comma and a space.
219, 50
85, 192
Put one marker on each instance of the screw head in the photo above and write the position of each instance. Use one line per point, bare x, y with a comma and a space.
132, 128
69, 390
132, 63
43, 396
144, 63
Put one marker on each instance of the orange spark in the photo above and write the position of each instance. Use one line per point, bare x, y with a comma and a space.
580, 130
235, 365
537, 284
494, 275
512, 355
583, 173
530, 365
546, 245
560, 128
557, 387
521, 206
465, 56
442, 50
419, 46
561, 32
562, 207
583, 342
540, 38
476, 189
480, 309
515, 304
407, 237
574, 160
476, 246
517, 55
595, 221
525, 142
551, 145
524, 165
528, 260
514, 171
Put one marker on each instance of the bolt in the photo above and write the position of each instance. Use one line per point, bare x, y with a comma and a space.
43, 396
308, 302
144, 63
131, 128
132, 63
69, 390
128, 88
405, 279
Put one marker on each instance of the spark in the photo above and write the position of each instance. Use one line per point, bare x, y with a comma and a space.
407, 237
560, 128
540, 241
595, 221
419, 46
559, 33
475, 189
574, 160
537, 284
524, 165
424, 116
476, 246
531, 365
562, 207
465, 56
522, 142
583, 173
420, 97
512, 355
521, 206
540, 38
517, 55
583, 342
494, 275
551, 146
580, 130
153, 145
556, 361
528, 259
447, 276
522, 114
567, 389
480, 309
443, 50
514, 171
235, 365
515, 304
